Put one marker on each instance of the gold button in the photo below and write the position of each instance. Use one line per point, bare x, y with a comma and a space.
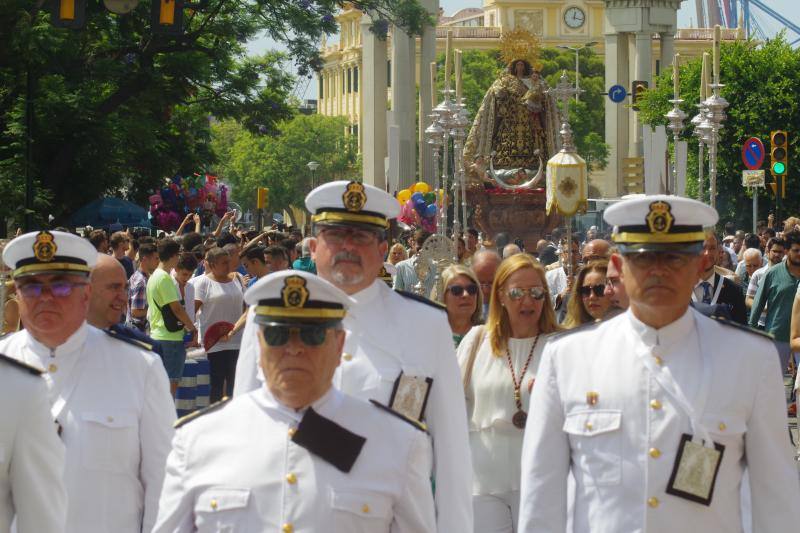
589, 426
655, 453
52, 367
722, 426
652, 502
347, 357
365, 509
109, 418
292, 431
287, 528
658, 359
291, 479
213, 504
655, 404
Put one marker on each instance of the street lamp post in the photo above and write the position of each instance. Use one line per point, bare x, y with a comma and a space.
312, 166
577, 49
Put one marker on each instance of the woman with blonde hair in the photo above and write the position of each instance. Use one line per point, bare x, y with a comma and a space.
588, 301
498, 365
462, 297
397, 253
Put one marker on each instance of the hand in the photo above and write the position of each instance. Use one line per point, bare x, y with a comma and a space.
246, 279
228, 215
196, 217
188, 217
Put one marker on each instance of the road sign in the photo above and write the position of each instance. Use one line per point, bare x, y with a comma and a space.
753, 178
753, 153
617, 94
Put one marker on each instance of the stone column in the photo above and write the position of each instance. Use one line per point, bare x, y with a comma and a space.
404, 93
644, 61
427, 56
374, 90
667, 49
617, 115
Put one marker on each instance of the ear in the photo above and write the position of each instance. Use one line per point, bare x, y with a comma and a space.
312, 246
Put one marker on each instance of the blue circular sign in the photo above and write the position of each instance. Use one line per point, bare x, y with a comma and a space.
617, 94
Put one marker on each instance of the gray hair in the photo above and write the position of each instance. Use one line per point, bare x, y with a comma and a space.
305, 246
752, 252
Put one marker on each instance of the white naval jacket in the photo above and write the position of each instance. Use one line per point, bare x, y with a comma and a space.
236, 469
621, 450
113, 403
31, 455
388, 333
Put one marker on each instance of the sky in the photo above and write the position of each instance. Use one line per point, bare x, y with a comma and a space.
686, 18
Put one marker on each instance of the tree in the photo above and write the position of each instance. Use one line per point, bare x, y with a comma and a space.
761, 87
480, 68
248, 160
117, 109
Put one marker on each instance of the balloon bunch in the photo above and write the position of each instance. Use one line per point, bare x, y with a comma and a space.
198, 193
418, 207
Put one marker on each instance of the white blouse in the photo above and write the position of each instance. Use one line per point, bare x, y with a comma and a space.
495, 442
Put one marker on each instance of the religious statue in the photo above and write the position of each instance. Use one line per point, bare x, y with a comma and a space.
515, 129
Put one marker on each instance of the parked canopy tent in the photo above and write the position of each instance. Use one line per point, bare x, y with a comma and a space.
107, 211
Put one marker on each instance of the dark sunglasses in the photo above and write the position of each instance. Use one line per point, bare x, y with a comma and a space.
59, 289
310, 335
587, 290
458, 290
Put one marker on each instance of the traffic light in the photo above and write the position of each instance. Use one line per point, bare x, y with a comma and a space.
167, 17
68, 13
779, 153
637, 90
262, 200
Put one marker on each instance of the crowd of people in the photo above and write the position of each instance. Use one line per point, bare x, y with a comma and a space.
357, 406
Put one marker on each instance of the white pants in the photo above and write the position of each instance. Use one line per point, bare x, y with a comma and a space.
496, 513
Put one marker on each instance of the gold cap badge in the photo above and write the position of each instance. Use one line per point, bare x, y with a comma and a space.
354, 197
44, 247
660, 219
294, 292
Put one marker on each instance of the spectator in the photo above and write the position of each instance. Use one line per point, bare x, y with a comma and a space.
588, 301
752, 261
120, 243
397, 253
137, 290
189, 241
510, 249
304, 262
276, 258
234, 251
471, 241
187, 263
714, 289
406, 278
290, 245
557, 278
500, 241
484, 264
219, 298
776, 249
254, 263
99, 240
463, 300
133, 253
615, 289
166, 315
461, 250
777, 293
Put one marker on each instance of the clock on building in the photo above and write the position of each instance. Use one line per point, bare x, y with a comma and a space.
574, 17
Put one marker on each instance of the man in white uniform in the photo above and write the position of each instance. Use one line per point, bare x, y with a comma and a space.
397, 348
669, 407
31, 455
297, 454
110, 399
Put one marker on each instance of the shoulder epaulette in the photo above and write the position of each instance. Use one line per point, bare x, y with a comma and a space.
422, 299
200, 412
22, 366
130, 340
416, 423
742, 327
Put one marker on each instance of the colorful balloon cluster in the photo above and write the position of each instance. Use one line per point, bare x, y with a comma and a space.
198, 193
418, 206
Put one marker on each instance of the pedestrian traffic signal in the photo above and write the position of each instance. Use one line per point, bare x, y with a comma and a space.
262, 201
779, 152
68, 13
167, 17
637, 90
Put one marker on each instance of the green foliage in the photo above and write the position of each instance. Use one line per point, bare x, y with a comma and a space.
480, 68
761, 85
248, 160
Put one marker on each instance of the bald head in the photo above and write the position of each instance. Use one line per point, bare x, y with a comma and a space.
511, 249
109, 292
596, 249
484, 264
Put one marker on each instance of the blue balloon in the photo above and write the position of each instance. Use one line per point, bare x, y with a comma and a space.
417, 196
430, 210
420, 205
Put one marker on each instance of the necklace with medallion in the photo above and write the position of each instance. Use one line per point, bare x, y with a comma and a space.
520, 417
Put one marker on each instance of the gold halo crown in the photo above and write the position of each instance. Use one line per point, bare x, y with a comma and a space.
520, 44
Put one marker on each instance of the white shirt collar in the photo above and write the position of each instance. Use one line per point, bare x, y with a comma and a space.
710, 279
365, 296
72, 344
667, 336
327, 403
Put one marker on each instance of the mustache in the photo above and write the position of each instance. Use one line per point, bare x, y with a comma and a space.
346, 256
654, 281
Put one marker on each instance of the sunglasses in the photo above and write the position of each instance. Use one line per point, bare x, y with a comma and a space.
517, 293
59, 289
458, 290
358, 237
310, 335
587, 290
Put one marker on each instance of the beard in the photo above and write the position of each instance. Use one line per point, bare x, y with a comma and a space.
341, 276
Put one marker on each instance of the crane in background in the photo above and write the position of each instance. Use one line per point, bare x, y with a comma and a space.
754, 14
